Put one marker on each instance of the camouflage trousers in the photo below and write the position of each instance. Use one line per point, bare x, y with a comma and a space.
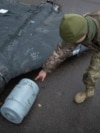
93, 71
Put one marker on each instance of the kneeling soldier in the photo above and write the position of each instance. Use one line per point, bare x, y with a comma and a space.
75, 29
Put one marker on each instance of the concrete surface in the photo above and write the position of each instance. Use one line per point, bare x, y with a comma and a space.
58, 113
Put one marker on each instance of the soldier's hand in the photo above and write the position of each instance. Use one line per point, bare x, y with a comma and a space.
42, 75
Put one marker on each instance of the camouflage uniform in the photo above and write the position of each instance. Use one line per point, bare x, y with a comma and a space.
64, 50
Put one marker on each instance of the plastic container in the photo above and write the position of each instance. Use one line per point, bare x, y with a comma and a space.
20, 100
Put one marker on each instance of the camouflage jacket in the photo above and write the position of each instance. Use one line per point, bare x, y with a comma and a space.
64, 50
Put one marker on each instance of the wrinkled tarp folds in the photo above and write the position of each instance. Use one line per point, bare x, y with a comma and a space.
24, 34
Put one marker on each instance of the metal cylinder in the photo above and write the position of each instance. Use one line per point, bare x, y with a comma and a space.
20, 100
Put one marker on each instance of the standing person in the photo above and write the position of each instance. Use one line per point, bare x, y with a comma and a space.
75, 29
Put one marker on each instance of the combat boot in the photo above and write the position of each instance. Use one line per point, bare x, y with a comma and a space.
81, 96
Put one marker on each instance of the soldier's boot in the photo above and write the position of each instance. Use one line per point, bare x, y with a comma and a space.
81, 96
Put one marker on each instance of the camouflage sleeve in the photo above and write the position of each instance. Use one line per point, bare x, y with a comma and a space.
92, 14
62, 51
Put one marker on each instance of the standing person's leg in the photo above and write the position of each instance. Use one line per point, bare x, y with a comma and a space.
90, 78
